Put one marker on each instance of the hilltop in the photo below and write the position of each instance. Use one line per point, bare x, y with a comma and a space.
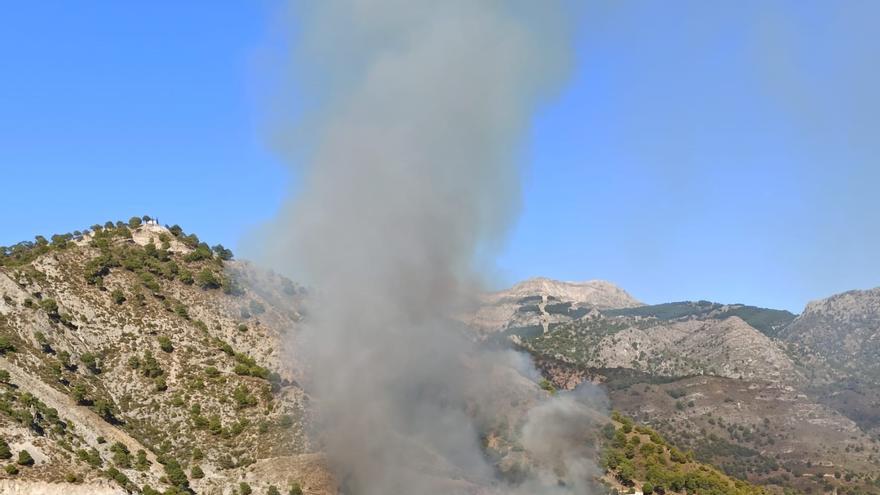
137, 355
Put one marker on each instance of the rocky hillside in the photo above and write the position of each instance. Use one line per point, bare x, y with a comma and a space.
843, 331
539, 302
776, 399
134, 356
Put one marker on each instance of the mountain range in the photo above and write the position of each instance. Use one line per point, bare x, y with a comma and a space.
136, 358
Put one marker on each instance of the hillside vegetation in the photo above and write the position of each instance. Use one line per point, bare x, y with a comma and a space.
137, 354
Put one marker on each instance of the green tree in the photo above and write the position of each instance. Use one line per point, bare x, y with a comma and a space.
79, 394
5, 452
5, 345
150, 366
134, 222
104, 409
50, 306
160, 384
207, 279
118, 296
165, 343
121, 455
25, 459
176, 476
222, 253
141, 461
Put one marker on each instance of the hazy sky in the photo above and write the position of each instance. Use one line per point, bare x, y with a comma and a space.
726, 153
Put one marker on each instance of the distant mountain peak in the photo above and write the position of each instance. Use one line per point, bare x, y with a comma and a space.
598, 293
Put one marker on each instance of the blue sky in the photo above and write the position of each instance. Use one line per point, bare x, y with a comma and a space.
701, 150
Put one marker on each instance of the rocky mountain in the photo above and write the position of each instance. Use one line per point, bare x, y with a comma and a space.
136, 358
843, 331
780, 400
540, 302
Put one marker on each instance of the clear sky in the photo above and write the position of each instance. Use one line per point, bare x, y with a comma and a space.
723, 151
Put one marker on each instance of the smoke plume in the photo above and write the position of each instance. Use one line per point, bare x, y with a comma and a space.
409, 171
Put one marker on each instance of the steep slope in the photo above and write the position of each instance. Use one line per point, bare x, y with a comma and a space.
838, 340
140, 355
727, 348
710, 381
638, 458
843, 331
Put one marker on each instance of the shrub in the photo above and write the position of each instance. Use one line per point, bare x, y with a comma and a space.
150, 367
79, 394
160, 384
90, 362
104, 409
180, 310
201, 252
197, 473
5, 452
91, 456
176, 476
207, 279
243, 398
4, 376
141, 462
149, 282
25, 459
5, 345
242, 327
121, 455
546, 385
50, 306
117, 476
244, 489
118, 296
165, 344
11, 469
295, 489
272, 490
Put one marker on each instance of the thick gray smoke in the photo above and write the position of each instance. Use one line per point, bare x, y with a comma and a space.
409, 180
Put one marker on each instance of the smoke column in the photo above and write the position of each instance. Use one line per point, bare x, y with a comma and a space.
408, 179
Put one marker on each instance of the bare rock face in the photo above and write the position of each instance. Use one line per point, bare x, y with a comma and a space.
540, 302
595, 293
